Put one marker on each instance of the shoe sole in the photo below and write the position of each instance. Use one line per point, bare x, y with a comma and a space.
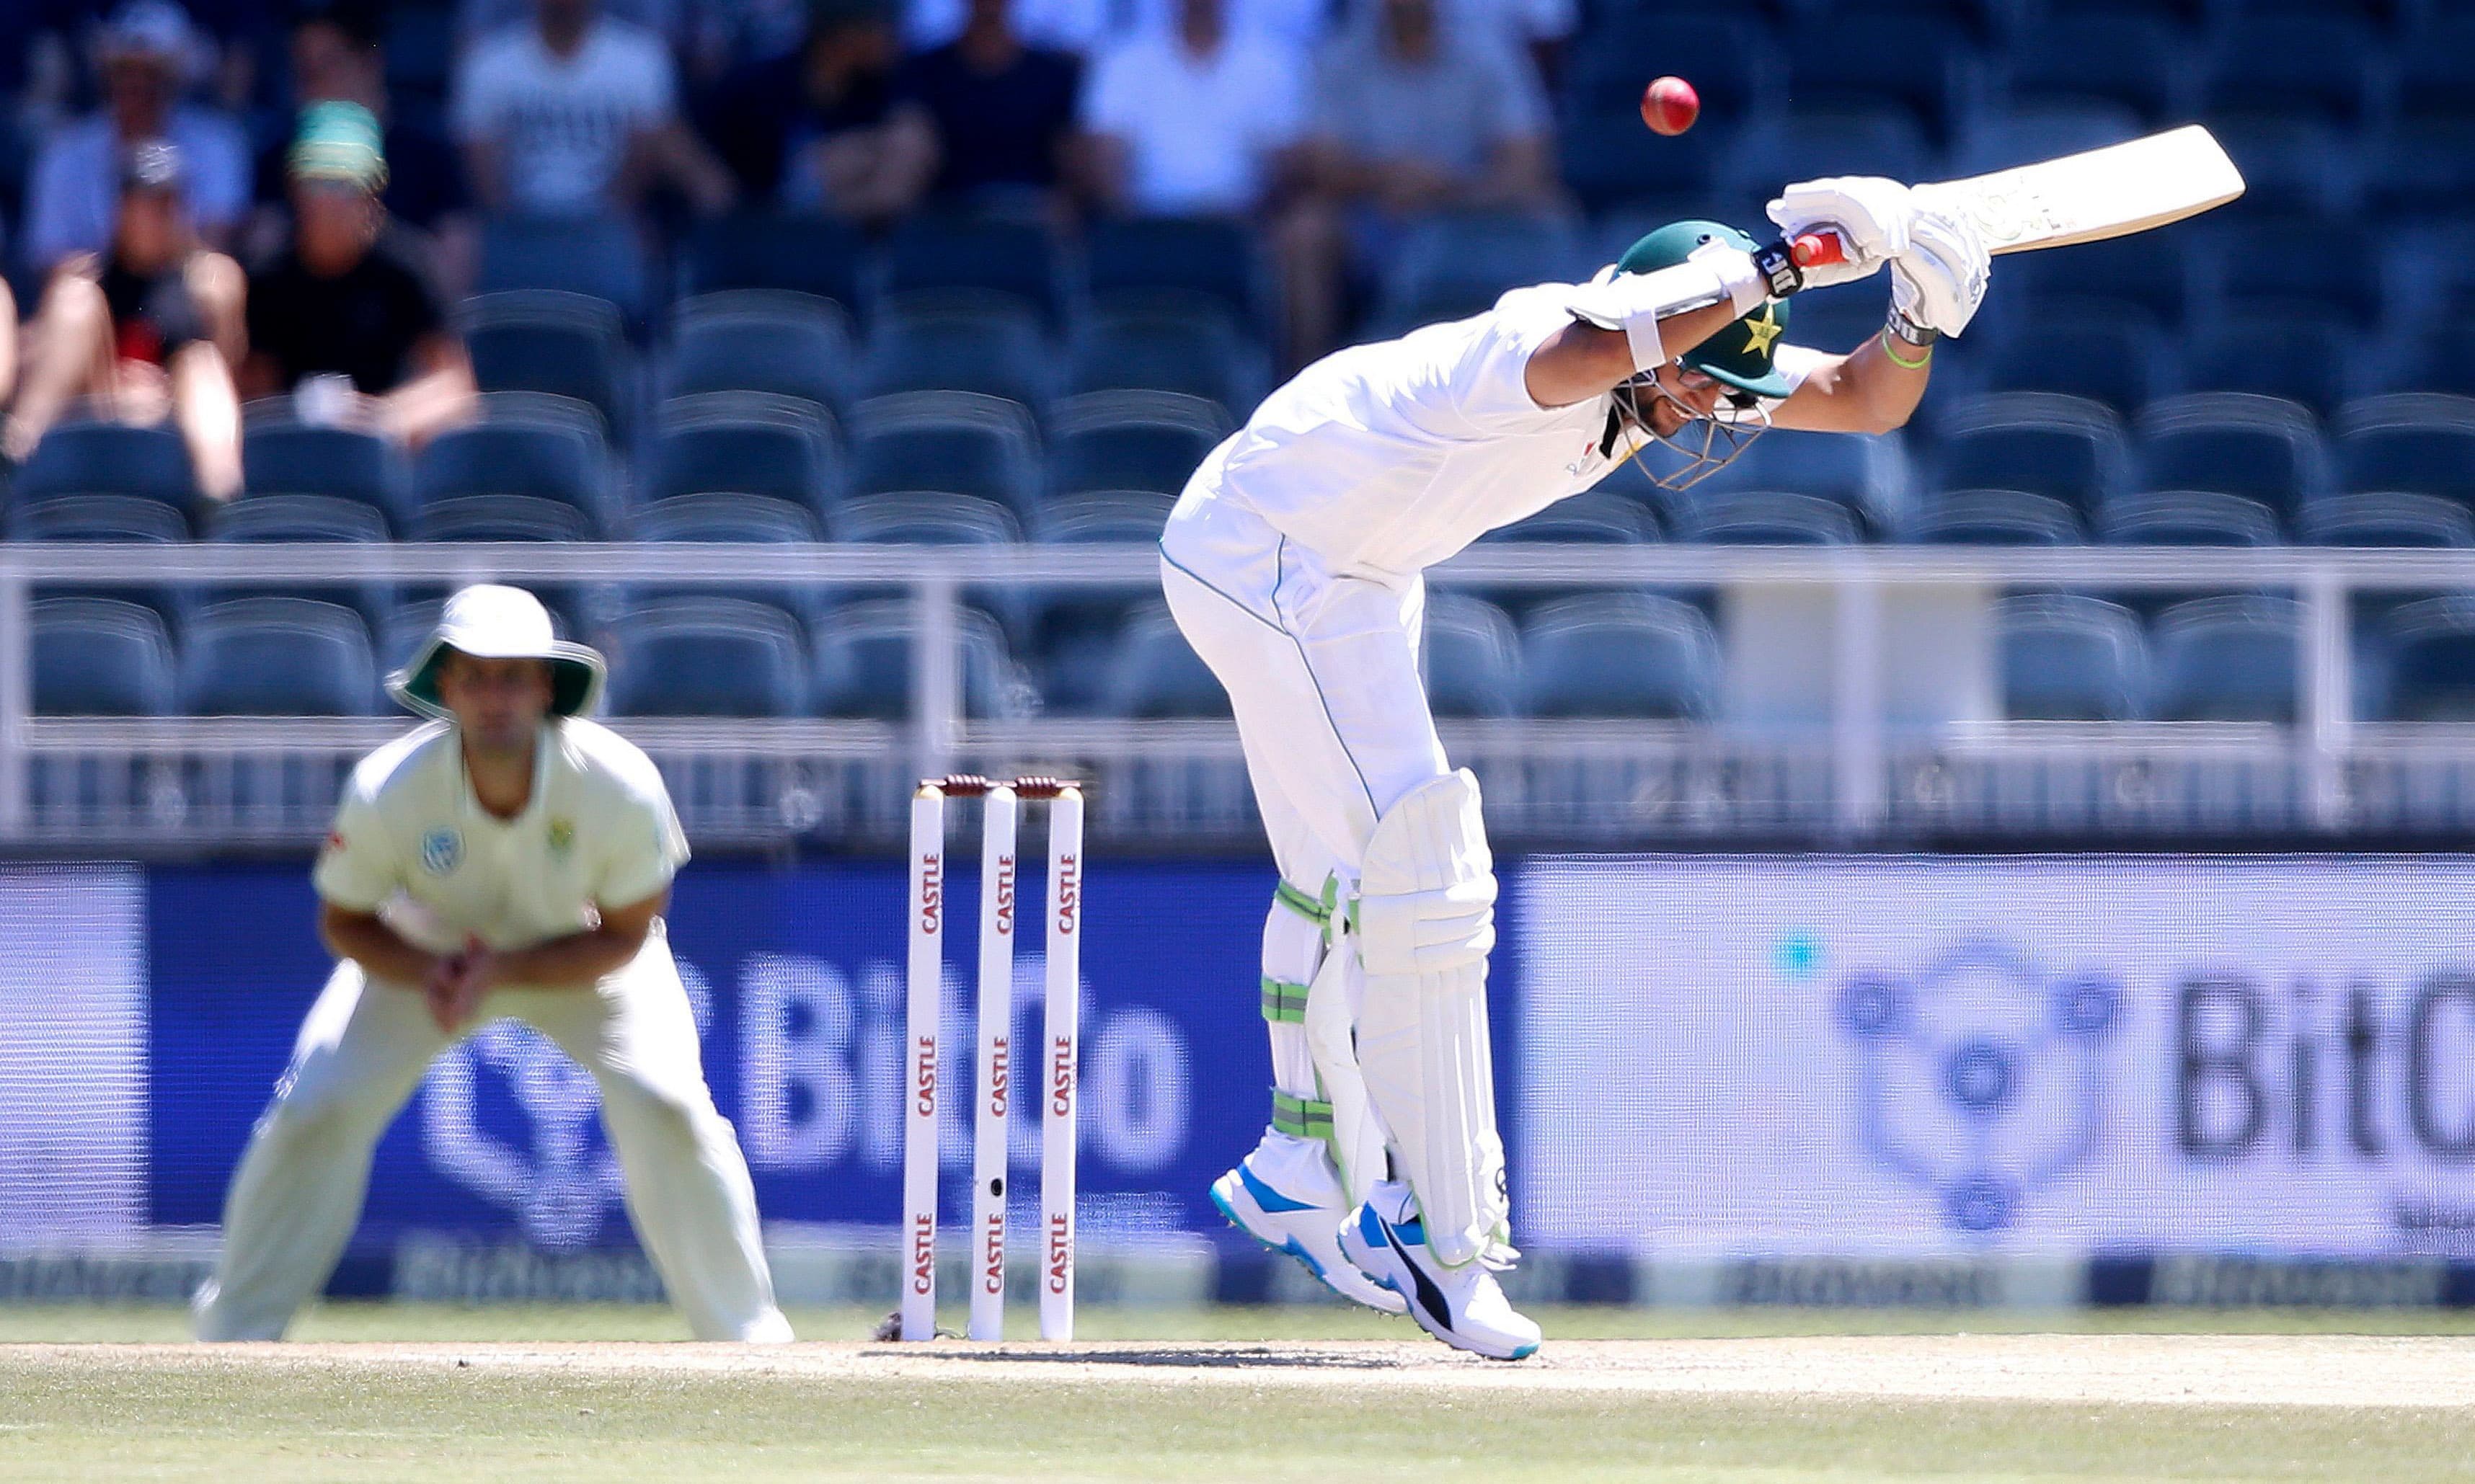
1417, 1315
1290, 1246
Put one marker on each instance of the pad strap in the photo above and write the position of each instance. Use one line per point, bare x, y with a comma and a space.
1284, 1003
1305, 1118
1319, 910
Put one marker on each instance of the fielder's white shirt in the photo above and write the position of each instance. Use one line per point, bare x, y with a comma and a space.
1384, 459
413, 844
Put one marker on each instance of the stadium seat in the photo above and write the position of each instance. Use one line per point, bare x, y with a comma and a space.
2430, 649
2303, 357
2187, 518
2442, 356
2423, 442
1996, 518
2032, 132
1453, 266
1606, 159
705, 656
2069, 658
1154, 672
863, 663
2060, 446
2435, 71
2386, 518
2230, 658
953, 442
1593, 517
602, 256
758, 340
1016, 260
739, 519
1764, 518
2334, 280
108, 458
114, 518
978, 343
1620, 654
2235, 444
1800, 143
1861, 60
545, 340
2293, 168
748, 442
793, 252
539, 448
1102, 516
2421, 170
101, 657
2147, 269
503, 517
1195, 351
2291, 66
308, 518
1172, 263
2121, 59
1131, 441
930, 518
279, 456
1471, 658
278, 657
1868, 476
2093, 349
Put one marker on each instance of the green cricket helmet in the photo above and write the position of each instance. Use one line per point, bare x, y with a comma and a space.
1738, 357
1740, 354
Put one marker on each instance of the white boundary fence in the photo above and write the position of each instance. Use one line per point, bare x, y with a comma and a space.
1852, 775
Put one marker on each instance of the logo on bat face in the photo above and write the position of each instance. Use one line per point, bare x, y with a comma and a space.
441, 852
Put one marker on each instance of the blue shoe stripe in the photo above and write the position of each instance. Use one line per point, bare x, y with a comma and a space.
1266, 1197
1427, 1296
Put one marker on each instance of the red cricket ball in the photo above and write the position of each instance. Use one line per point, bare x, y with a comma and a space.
1669, 106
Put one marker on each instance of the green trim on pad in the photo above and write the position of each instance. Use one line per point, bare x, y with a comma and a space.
1284, 1003
1303, 1118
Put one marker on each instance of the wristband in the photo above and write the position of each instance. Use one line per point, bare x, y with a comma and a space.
1890, 343
1909, 331
1776, 263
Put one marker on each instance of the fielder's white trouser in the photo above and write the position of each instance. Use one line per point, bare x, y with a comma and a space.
296, 1195
1322, 674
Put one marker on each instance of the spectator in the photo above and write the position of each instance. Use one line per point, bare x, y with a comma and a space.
1004, 110
1409, 120
349, 298
147, 54
1077, 26
8, 342
574, 115
338, 56
822, 128
150, 330
1191, 121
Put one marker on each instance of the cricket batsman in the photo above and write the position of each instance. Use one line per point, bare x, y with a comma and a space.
1293, 563
506, 859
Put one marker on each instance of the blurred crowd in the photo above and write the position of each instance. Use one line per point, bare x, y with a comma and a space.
239, 201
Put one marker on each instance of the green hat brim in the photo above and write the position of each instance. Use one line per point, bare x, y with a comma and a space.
1774, 384
576, 677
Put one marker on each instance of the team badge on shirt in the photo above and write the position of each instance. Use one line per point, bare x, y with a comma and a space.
441, 852
562, 837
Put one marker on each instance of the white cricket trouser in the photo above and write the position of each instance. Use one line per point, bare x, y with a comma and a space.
1322, 672
296, 1195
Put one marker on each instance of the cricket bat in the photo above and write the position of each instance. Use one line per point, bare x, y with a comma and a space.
2088, 197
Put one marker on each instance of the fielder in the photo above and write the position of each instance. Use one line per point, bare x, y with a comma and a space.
1293, 562
508, 858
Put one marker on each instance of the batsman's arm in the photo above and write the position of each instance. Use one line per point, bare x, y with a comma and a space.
1866, 391
1582, 361
381, 952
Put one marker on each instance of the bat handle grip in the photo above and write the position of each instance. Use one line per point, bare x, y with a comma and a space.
1815, 249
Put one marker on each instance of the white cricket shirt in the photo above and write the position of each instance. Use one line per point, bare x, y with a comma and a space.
413, 844
1384, 459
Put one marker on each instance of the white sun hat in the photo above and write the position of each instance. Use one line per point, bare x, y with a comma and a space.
489, 621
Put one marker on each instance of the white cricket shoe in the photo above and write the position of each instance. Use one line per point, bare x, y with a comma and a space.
1287, 1196
1462, 1307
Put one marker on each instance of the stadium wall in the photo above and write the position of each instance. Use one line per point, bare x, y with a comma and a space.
1940, 1081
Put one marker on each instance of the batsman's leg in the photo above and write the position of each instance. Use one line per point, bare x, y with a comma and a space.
688, 1188
298, 1192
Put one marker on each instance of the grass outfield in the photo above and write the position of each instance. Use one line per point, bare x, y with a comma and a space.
425, 1392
